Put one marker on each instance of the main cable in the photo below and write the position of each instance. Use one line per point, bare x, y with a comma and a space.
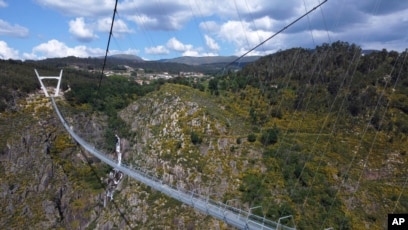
107, 46
280, 31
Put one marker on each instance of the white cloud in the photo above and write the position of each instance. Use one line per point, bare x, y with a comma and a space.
81, 31
156, 50
119, 26
191, 53
153, 15
244, 37
211, 43
264, 23
85, 32
7, 52
209, 26
237, 25
12, 30
104, 24
245, 10
176, 45
3, 3
159, 22
80, 8
236, 32
30, 56
143, 21
55, 48
128, 51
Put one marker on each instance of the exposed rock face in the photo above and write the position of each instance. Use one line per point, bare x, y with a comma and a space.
49, 182
166, 144
36, 190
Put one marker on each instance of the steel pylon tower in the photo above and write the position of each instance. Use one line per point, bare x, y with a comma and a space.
57, 89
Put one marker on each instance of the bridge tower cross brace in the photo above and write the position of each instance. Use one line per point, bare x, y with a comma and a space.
40, 78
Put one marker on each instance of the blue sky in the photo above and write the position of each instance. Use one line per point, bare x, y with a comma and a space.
158, 29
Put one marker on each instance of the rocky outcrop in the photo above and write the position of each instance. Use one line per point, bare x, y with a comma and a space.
49, 182
165, 142
37, 187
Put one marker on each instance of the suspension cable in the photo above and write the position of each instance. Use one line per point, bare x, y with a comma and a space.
107, 46
280, 31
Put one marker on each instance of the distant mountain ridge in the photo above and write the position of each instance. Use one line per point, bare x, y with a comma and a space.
129, 57
207, 65
189, 60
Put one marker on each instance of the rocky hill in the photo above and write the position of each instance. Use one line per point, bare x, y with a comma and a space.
46, 182
49, 182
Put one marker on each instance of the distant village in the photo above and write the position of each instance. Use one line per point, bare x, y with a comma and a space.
141, 77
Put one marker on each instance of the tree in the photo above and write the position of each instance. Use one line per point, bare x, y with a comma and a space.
252, 114
270, 136
213, 86
200, 87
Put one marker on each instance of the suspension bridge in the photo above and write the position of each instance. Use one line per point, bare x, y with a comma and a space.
241, 219
233, 216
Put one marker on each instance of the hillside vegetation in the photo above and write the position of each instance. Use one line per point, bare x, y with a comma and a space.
342, 121
317, 134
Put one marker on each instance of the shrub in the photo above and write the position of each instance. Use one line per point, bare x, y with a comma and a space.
239, 141
270, 136
195, 138
251, 137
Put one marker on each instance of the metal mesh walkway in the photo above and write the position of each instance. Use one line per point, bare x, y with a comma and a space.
230, 215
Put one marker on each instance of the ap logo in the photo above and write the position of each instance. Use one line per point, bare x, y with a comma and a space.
397, 221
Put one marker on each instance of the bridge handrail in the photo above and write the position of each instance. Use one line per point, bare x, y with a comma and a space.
229, 214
